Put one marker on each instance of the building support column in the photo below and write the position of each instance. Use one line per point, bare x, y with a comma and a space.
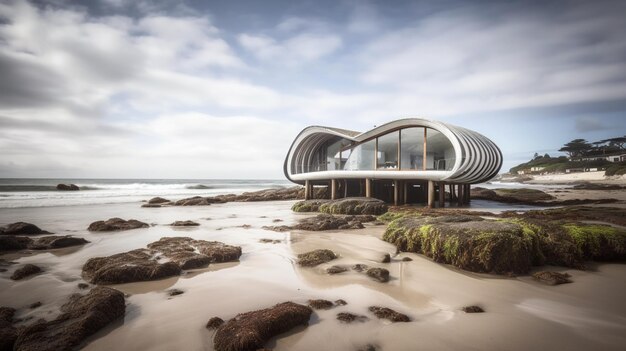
345, 188
333, 189
405, 196
468, 194
307, 190
368, 187
431, 194
442, 194
396, 193
460, 194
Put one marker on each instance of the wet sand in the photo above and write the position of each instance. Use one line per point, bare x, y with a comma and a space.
521, 314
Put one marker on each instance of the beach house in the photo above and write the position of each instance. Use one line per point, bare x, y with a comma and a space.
409, 160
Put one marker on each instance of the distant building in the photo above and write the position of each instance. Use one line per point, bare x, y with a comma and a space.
618, 157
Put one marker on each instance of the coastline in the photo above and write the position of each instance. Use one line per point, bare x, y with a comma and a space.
563, 178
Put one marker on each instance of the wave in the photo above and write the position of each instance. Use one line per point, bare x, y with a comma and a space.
199, 186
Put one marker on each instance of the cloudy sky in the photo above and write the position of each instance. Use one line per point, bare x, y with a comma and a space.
219, 89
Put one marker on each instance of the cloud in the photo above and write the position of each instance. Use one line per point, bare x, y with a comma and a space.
297, 50
589, 124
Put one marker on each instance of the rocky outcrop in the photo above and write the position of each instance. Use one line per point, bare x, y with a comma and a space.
82, 317
596, 186
184, 224
164, 258
68, 187
116, 224
8, 333
251, 330
158, 200
389, 314
379, 274
348, 317
324, 221
26, 271
22, 228
336, 270
552, 278
347, 206
14, 243
198, 201
320, 304
214, 323
613, 215
316, 257
472, 309
525, 196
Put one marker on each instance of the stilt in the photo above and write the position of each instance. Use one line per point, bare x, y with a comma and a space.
307, 189
405, 197
460, 194
467, 194
431, 194
442, 194
333, 189
396, 193
368, 187
345, 188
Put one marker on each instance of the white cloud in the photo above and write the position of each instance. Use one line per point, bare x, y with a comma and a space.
296, 50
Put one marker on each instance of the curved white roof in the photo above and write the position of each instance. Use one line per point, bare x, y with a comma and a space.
478, 159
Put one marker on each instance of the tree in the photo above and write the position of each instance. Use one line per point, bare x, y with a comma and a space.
546, 156
576, 148
536, 156
619, 142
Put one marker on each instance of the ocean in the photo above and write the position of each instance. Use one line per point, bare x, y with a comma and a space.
17, 193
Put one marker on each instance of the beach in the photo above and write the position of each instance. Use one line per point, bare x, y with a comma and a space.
521, 313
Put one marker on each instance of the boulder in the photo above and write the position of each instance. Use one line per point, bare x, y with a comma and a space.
346, 206
56, 242
25, 271
198, 201
336, 270
82, 316
116, 224
214, 323
359, 267
386, 258
251, 330
132, 266
158, 200
472, 309
552, 278
22, 228
389, 314
8, 333
320, 304
323, 222
67, 187
315, 257
190, 253
184, 224
347, 317
379, 274
14, 243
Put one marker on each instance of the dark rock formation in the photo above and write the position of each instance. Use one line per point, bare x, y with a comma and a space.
185, 224
82, 316
214, 323
347, 317
68, 187
615, 215
34, 305
324, 222
83, 286
175, 292
14, 243
22, 228
386, 258
595, 186
198, 201
379, 274
359, 267
190, 253
552, 278
336, 270
25, 271
347, 206
269, 241
251, 330
472, 309
320, 304
407, 259
389, 314
8, 333
529, 197
316, 257
158, 200
340, 302
116, 224
56, 242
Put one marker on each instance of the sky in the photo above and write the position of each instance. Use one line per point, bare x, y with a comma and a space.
219, 89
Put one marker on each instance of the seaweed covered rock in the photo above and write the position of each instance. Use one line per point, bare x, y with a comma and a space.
22, 228
308, 205
8, 333
214, 323
26, 271
323, 222
132, 266
158, 200
389, 314
251, 330
116, 224
315, 257
184, 224
190, 253
552, 278
615, 215
514, 195
198, 201
82, 317
347, 206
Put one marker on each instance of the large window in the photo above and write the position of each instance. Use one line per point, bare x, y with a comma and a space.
361, 157
439, 151
387, 155
412, 148
333, 160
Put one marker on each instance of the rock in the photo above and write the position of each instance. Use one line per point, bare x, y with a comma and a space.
198, 201
14, 243
386, 258
613, 215
595, 186
25, 271
175, 292
269, 241
336, 270
56, 242
251, 330
8, 333
316, 257
340, 302
308, 205
190, 253
82, 317
184, 224
472, 309
35, 305
320, 304
132, 266
530, 197
83, 286
368, 347
116, 224
152, 205
380, 274
158, 200
407, 259
214, 323
22, 228
67, 187
276, 220
359, 267
347, 206
552, 278
389, 314
347, 317
322, 222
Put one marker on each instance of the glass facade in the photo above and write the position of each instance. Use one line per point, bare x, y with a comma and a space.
387, 152
412, 148
362, 157
439, 151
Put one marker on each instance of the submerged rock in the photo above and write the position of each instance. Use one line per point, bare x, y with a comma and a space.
22, 228
56, 242
347, 206
472, 309
68, 187
407, 259
251, 330
320, 304
35, 305
380, 274
269, 241
214, 323
336, 270
316, 257
359, 267
82, 317
389, 314
184, 224
347, 317
116, 224
175, 292
552, 278
26, 271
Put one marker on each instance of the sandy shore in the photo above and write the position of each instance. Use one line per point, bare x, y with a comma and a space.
590, 177
521, 313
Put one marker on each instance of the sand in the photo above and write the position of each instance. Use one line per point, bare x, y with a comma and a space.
521, 313
591, 177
